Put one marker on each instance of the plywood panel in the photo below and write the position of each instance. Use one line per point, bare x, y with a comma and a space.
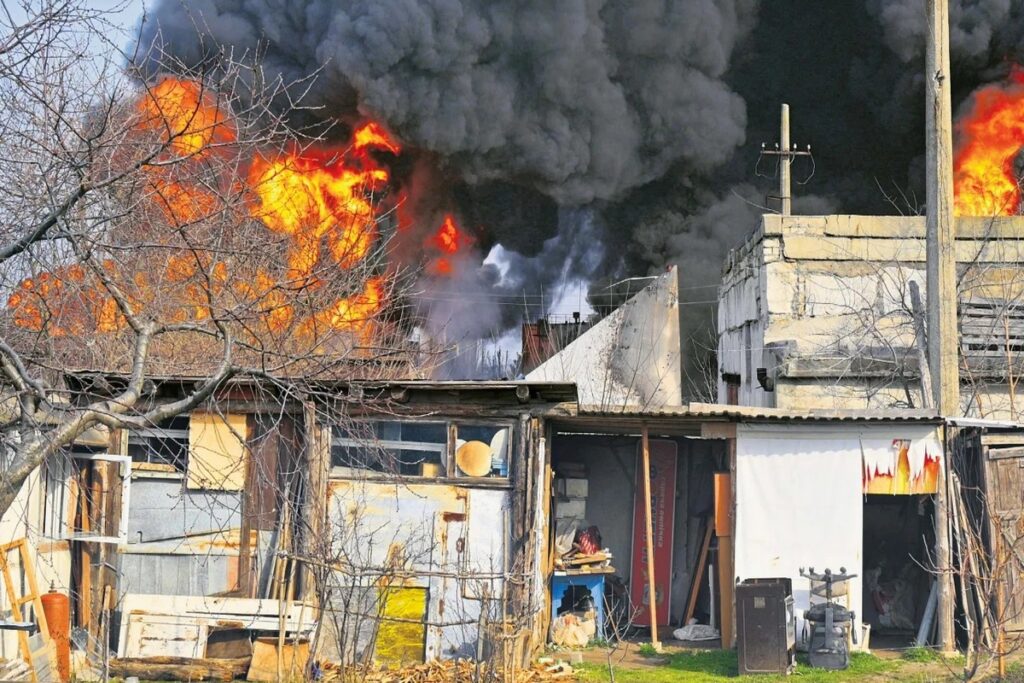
216, 451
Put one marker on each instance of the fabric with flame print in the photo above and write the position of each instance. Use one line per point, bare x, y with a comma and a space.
908, 468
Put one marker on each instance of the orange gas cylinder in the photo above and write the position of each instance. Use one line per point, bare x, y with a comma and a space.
57, 608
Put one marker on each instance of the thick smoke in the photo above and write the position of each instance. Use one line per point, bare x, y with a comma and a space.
650, 113
477, 302
582, 100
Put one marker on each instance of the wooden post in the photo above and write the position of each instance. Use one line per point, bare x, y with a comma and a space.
652, 590
941, 277
944, 570
723, 529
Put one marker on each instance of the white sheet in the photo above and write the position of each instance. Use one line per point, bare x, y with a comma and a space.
798, 505
799, 499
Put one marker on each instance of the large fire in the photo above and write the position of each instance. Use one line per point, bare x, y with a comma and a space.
991, 137
324, 202
318, 196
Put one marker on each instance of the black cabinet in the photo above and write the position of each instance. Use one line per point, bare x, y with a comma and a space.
766, 626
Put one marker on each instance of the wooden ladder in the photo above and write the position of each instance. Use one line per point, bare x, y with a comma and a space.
43, 655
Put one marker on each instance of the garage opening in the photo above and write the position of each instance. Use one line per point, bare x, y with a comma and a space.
599, 587
899, 533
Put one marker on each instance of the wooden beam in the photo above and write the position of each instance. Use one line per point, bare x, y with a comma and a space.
723, 529
652, 592
1015, 438
180, 668
718, 430
698, 573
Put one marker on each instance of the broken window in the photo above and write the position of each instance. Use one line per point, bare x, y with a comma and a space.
161, 447
421, 449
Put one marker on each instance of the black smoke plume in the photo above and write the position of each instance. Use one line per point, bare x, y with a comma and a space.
644, 117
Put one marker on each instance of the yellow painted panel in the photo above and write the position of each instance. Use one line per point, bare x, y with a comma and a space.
216, 451
402, 642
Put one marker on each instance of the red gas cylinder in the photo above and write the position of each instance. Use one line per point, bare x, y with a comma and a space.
57, 608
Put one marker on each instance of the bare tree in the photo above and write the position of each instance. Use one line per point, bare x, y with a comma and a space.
155, 224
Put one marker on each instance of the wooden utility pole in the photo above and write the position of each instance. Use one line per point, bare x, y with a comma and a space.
943, 357
652, 589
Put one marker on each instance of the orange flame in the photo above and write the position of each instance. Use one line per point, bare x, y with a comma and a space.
323, 200
314, 196
447, 240
991, 137
372, 135
355, 312
186, 115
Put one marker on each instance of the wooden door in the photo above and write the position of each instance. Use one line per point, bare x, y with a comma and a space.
1004, 484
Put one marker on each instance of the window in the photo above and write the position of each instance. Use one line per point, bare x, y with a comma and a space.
481, 450
165, 446
732, 389
417, 449
421, 449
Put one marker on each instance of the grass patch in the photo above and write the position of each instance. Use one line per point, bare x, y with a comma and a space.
920, 654
647, 650
711, 666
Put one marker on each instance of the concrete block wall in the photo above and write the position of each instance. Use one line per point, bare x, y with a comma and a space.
833, 292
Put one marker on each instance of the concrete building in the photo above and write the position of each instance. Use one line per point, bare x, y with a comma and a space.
816, 312
631, 357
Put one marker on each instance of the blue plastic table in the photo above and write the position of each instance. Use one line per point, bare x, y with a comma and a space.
593, 581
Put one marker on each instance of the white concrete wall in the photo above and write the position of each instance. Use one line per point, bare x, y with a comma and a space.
631, 357
835, 289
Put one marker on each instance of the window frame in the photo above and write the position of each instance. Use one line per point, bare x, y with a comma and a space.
180, 470
66, 533
340, 471
449, 475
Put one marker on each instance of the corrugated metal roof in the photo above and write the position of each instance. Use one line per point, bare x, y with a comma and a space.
984, 422
715, 410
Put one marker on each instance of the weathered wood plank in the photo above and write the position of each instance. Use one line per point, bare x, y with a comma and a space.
1006, 453
178, 669
1002, 439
